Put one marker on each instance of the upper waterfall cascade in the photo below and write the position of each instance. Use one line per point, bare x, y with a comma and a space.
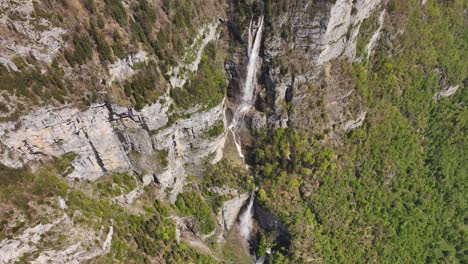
247, 97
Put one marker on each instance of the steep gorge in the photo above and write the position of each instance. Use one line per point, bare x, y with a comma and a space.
163, 114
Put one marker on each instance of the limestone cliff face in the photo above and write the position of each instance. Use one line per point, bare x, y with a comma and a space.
108, 138
308, 39
324, 31
160, 142
31, 35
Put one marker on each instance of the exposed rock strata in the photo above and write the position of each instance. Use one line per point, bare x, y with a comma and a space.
320, 33
107, 138
27, 36
123, 68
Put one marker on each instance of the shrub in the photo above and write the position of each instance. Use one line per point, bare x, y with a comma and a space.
261, 195
102, 46
144, 86
216, 129
207, 88
82, 50
117, 11
191, 203
3, 107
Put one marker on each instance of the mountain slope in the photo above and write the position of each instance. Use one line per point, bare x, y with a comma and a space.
126, 135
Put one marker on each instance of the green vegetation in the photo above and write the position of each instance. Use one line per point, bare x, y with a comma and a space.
176, 116
144, 237
19, 62
285, 152
224, 174
207, 88
117, 11
191, 203
82, 50
144, 87
170, 44
161, 157
394, 192
90, 6
115, 184
117, 47
33, 84
216, 129
23, 192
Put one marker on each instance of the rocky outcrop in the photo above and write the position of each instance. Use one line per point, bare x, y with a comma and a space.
108, 138
124, 68
353, 124
446, 92
322, 30
230, 210
376, 36
26, 34
54, 132
313, 35
343, 28
29, 245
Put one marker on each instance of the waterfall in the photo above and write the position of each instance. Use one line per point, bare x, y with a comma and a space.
250, 80
248, 90
246, 219
249, 44
260, 260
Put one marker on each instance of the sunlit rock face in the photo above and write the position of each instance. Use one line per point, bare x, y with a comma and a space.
28, 35
107, 138
322, 31
313, 35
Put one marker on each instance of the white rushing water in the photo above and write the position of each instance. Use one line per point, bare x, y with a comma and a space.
248, 90
260, 260
246, 219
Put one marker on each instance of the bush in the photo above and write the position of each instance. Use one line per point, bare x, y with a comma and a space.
191, 203
82, 50
145, 15
102, 46
216, 129
117, 48
207, 88
144, 86
117, 11
261, 195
